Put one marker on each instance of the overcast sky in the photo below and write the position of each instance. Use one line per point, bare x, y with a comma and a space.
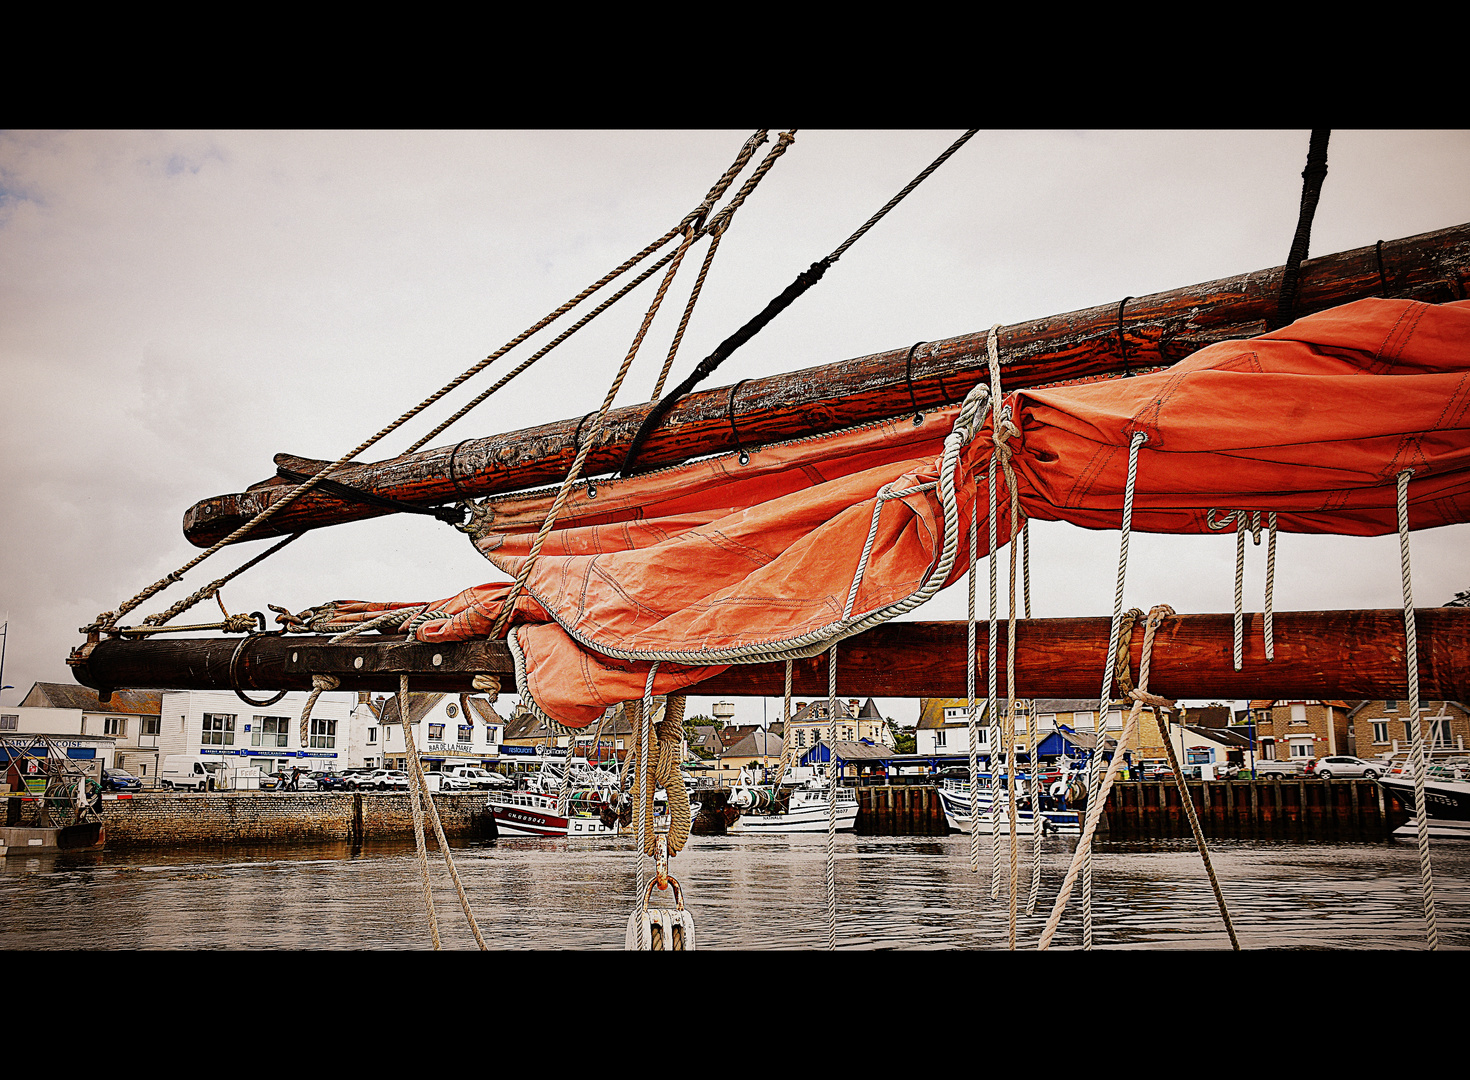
177, 307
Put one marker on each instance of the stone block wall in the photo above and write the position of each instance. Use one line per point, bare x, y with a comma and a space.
171, 819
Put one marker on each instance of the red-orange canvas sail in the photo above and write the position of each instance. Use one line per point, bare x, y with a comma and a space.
715, 562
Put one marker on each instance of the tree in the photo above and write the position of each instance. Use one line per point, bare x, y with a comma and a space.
905, 740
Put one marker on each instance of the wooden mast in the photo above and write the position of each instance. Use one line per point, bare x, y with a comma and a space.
1114, 337
1319, 654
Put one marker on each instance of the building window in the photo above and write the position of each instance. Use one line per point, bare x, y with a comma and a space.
938, 738
466, 732
114, 725
1439, 732
1380, 731
1298, 714
218, 729
1408, 731
372, 735
269, 730
1301, 749
436, 731
1390, 706
152, 725
323, 734
10, 722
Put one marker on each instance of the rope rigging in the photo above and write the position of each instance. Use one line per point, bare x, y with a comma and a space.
804, 281
653, 756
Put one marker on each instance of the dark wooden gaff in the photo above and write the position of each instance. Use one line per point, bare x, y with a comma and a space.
1322, 654
1152, 330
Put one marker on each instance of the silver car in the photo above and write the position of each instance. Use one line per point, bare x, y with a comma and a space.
1340, 767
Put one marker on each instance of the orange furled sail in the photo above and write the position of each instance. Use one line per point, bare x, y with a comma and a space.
717, 562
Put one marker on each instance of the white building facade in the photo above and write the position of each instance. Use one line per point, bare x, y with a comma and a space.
217, 724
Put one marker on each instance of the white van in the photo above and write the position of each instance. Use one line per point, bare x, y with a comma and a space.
189, 772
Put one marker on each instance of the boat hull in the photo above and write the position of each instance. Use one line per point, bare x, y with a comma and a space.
1444, 800
14, 840
956, 806
812, 817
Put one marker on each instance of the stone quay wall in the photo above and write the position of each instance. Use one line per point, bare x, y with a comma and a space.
165, 819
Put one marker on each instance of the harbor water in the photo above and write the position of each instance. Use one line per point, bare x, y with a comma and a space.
768, 892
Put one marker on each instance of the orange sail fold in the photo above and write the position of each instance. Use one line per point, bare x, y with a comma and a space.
714, 562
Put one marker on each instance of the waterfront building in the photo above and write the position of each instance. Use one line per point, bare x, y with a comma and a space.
448, 730
943, 726
1300, 730
130, 718
810, 724
1378, 728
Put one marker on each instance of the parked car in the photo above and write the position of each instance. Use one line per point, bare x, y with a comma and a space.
1329, 767
329, 781
385, 780
120, 780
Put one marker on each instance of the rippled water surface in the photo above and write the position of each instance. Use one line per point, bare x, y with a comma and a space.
896, 892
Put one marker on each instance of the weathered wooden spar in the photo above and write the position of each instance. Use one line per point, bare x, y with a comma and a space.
1139, 333
1318, 654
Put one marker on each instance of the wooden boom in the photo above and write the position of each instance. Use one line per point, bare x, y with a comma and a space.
1141, 333
1319, 654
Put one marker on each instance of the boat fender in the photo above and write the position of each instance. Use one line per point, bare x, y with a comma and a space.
668, 929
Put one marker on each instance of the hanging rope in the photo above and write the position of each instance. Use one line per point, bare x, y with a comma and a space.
1002, 431
1160, 712
1239, 644
991, 705
1270, 636
1094, 765
974, 723
640, 803
834, 784
787, 742
804, 281
415, 795
1082, 857
1411, 657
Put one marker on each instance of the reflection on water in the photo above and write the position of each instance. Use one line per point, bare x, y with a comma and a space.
896, 892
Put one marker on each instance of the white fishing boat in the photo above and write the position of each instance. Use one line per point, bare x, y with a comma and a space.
954, 797
800, 804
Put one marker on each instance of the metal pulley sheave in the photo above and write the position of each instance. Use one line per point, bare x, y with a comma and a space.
660, 929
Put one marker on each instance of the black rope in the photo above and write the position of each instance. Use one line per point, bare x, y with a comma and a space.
908, 377
450, 515
1122, 341
1312, 177
730, 412
804, 281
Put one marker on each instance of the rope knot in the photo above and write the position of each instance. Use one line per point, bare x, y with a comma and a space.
325, 682
487, 684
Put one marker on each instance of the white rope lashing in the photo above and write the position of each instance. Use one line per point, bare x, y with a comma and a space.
1411, 657
1240, 520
